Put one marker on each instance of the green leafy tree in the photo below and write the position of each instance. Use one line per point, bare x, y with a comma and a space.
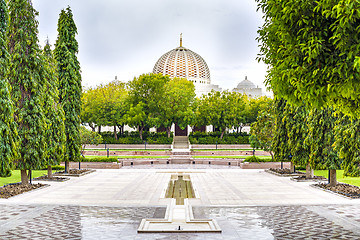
297, 131
178, 96
146, 94
90, 113
313, 50
254, 106
27, 85
262, 131
221, 109
280, 146
8, 129
88, 137
110, 105
66, 49
347, 144
55, 130
321, 139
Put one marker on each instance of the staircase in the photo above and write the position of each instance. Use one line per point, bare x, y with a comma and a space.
181, 152
181, 142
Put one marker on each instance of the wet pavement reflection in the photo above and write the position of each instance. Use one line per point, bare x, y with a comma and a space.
93, 222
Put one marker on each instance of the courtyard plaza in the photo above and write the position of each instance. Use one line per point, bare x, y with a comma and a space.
247, 204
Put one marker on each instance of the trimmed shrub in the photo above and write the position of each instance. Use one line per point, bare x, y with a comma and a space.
134, 138
214, 137
99, 159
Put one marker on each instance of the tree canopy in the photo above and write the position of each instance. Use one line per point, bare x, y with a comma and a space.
313, 51
175, 108
146, 94
224, 110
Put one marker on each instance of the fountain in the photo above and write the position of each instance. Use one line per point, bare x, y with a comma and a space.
179, 216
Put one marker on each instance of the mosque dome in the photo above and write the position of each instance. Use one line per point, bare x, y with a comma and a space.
183, 63
245, 84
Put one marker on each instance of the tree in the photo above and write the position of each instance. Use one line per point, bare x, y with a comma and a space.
89, 108
262, 131
27, 85
146, 94
178, 96
221, 109
110, 104
88, 137
8, 129
347, 144
297, 131
321, 139
66, 49
313, 49
255, 105
54, 113
280, 147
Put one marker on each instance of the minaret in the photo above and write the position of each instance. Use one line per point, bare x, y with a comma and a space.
180, 39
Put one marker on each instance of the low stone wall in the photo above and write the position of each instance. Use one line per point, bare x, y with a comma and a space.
127, 153
139, 161
150, 161
226, 153
264, 165
94, 165
220, 146
129, 146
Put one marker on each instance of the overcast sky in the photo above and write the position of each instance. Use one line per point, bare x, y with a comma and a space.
126, 38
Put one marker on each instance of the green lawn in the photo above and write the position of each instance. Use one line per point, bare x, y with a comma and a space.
219, 156
240, 149
210, 156
111, 156
339, 175
125, 150
16, 177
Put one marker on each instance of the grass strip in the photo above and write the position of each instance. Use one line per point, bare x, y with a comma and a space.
127, 150
339, 176
16, 176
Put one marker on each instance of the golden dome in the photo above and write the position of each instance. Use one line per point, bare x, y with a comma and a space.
183, 63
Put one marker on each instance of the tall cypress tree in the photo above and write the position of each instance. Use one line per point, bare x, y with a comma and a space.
66, 49
55, 131
8, 131
27, 85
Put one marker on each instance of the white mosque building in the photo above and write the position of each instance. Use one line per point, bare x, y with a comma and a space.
181, 62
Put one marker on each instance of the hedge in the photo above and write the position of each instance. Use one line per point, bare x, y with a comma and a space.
214, 137
134, 138
99, 159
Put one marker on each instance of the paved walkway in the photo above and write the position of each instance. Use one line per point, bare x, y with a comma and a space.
247, 204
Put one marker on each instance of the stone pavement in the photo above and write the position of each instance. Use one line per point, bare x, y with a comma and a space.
247, 204
96, 222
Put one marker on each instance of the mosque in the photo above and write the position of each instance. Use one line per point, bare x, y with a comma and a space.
181, 62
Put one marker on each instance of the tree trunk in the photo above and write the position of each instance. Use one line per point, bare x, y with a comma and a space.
24, 177
332, 177
222, 133
309, 171
49, 169
168, 131
292, 167
272, 156
92, 127
66, 166
141, 129
99, 129
115, 134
